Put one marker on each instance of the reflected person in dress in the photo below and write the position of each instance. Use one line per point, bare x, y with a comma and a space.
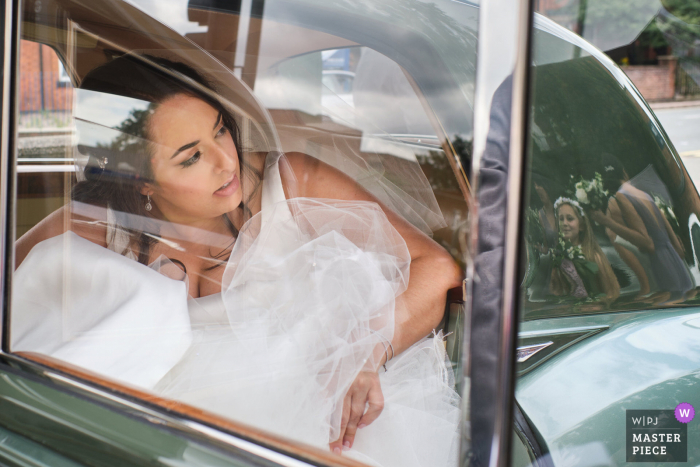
178, 186
584, 270
633, 216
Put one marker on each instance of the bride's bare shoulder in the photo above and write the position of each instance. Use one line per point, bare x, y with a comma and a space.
316, 179
89, 223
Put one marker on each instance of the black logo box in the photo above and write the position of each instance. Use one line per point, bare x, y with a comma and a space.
656, 436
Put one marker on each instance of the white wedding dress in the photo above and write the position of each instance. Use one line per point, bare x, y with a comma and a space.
308, 294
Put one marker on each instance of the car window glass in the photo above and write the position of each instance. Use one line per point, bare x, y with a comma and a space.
389, 136
610, 232
232, 210
44, 133
629, 246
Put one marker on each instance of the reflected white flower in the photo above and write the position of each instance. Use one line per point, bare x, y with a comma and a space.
581, 196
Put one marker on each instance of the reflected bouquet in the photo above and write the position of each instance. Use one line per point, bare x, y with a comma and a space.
667, 211
590, 193
566, 250
584, 272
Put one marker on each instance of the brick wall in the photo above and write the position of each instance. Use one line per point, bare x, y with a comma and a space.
655, 82
56, 95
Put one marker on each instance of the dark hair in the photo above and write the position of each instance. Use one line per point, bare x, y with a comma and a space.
116, 173
613, 172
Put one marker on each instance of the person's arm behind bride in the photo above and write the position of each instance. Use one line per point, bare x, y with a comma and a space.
432, 273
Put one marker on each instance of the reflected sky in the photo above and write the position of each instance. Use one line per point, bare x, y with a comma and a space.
104, 110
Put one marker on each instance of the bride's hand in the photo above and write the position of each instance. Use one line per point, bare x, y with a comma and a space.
365, 390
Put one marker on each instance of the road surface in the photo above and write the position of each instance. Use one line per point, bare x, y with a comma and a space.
683, 127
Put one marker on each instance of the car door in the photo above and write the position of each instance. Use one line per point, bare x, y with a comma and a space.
409, 144
596, 351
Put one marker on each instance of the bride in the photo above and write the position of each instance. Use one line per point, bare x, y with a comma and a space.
301, 317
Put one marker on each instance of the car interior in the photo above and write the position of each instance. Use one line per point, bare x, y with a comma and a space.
398, 140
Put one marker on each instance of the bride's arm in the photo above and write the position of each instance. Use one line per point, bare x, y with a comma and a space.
56, 224
432, 272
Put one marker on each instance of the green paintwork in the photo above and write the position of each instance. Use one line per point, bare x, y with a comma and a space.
646, 360
77, 429
16, 450
559, 339
520, 455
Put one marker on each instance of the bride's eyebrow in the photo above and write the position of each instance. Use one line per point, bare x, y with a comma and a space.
186, 146
194, 143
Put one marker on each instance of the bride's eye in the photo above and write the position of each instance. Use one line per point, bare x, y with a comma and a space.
192, 160
222, 131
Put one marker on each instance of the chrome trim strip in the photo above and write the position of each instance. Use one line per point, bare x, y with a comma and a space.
242, 37
45, 160
509, 324
244, 445
171, 420
6, 171
524, 353
504, 32
32, 169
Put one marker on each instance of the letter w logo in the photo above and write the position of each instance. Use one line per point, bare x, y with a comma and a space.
685, 412
637, 421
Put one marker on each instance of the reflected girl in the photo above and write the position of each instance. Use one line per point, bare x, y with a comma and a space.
633, 216
584, 271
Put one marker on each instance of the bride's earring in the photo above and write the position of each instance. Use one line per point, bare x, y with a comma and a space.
149, 206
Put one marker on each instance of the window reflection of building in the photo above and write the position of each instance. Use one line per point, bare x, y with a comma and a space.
562, 12
44, 134
45, 96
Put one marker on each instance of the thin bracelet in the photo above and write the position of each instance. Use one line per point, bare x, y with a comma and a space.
386, 354
386, 350
390, 344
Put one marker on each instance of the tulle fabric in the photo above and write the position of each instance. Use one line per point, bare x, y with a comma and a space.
419, 425
309, 294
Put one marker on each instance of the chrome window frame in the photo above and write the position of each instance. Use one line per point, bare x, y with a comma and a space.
513, 35
7, 144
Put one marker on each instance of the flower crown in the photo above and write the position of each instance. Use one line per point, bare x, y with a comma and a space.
563, 200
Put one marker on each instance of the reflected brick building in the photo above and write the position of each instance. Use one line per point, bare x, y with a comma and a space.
44, 86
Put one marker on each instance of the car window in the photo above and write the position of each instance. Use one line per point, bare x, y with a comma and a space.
624, 241
392, 140
241, 214
609, 250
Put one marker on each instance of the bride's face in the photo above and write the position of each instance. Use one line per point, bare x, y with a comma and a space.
195, 166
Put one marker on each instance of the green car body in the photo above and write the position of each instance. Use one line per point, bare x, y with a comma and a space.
48, 423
